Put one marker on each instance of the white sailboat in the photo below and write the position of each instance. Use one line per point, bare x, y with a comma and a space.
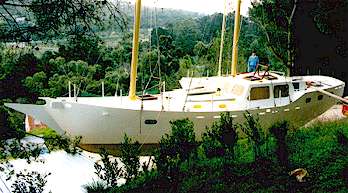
103, 121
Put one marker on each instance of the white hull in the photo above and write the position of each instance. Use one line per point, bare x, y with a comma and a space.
106, 124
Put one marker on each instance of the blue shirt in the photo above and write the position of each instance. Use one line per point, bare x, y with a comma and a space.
253, 61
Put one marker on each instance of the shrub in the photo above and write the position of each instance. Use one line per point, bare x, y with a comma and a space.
28, 151
280, 130
57, 142
221, 138
257, 136
176, 148
130, 153
108, 170
29, 182
96, 187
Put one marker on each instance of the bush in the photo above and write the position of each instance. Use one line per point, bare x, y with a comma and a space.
130, 153
29, 182
57, 142
17, 150
280, 131
150, 182
257, 136
96, 187
177, 147
108, 170
221, 138
321, 149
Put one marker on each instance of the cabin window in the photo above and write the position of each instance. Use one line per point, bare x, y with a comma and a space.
296, 85
308, 100
281, 91
258, 93
320, 97
150, 122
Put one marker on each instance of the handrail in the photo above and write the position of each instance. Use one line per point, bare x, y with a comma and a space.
333, 95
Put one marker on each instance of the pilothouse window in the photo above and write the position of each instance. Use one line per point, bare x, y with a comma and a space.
258, 93
281, 91
296, 86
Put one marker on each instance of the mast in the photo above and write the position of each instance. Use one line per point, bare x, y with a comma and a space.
235, 40
135, 49
222, 38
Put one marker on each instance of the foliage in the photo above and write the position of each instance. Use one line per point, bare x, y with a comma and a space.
108, 170
329, 16
27, 20
150, 182
17, 149
130, 157
175, 148
29, 182
57, 142
84, 47
321, 150
54, 141
96, 187
221, 138
280, 131
257, 136
277, 26
43, 132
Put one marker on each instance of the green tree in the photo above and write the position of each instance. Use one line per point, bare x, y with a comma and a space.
24, 20
186, 34
278, 27
81, 46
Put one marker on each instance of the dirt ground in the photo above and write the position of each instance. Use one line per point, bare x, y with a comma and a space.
333, 114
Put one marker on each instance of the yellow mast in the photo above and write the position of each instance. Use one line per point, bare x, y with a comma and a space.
222, 38
235, 40
135, 49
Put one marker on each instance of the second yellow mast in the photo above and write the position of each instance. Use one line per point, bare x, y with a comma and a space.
235, 40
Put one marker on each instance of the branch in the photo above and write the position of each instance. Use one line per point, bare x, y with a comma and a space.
22, 5
292, 12
276, 54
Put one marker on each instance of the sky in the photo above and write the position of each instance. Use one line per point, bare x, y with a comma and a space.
202, 6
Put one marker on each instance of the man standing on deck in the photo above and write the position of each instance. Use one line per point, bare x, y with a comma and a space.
252, 62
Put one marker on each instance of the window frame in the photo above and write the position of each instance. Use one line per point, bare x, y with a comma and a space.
250, 98
279, 87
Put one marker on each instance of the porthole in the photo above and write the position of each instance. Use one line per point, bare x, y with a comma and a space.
150, 122
308, 100
320, 97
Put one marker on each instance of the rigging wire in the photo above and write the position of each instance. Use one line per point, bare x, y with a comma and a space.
222, 36
152, 71
152, 74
